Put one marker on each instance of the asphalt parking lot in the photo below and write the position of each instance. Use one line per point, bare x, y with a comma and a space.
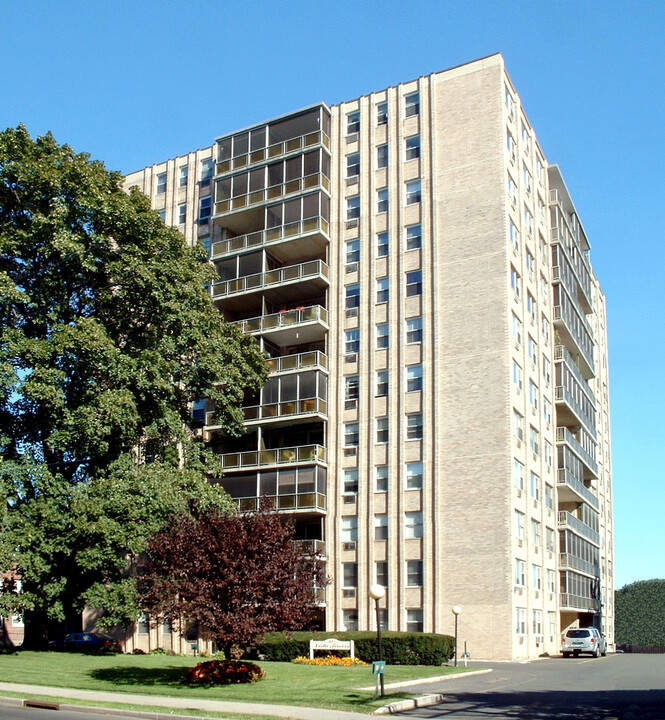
584, 688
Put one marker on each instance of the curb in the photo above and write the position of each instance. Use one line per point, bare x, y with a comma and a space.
404, 705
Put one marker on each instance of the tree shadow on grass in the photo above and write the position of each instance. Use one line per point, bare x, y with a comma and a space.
155, 677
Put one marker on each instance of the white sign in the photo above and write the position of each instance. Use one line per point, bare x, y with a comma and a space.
331, 644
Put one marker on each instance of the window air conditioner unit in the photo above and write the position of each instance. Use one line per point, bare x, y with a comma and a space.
350, 451
352, 223
351, 357
352, 137
349, 499
352, 267
352, 312
348, 546
353, 180
349, 592
350, 404
519, 493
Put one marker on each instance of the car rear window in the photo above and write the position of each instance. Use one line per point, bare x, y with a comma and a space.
578, 633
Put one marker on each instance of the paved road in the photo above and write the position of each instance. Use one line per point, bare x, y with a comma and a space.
555, 689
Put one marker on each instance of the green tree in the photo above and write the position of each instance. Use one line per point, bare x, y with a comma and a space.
107, 335
639, 613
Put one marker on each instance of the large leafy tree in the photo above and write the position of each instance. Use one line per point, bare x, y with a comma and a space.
238, 576
107, 335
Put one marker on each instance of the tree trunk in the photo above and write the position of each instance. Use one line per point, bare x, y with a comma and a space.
36, 631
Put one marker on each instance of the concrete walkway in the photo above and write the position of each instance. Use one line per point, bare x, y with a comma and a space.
216, 706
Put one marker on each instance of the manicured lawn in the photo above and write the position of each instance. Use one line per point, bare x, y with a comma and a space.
285, 684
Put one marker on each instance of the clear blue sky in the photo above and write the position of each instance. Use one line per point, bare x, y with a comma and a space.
137, 82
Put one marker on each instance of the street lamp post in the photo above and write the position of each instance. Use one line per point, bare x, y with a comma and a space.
456, 611
376, 592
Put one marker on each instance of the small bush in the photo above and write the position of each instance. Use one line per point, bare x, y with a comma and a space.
138, 651
224, 672
330, 660
157, 651
399, 648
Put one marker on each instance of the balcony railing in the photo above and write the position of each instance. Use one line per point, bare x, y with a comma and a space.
561, 353
259, 197
576, 326
279, 276
277, 456
312, 547
578, 602
579, 269
294, 502
566, 519
274, 151
564, 435
273, 411
300, 361
565, 477
286, 318
570, 562
272, 236
562, 394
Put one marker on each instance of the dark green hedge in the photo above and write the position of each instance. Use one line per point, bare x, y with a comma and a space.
399, 648
638, 613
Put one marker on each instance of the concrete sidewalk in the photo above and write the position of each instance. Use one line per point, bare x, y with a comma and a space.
216, 706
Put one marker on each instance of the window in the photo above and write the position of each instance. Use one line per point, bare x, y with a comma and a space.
353, 122
520, 573
382, 244
528, 186
413, 190
381, 479
547, 411
535, 533
352, 296
413, 237
205, 209
530, 263
381, 383
518, 425
518, 474
414, 573
414, 378
382, 336
182, 213
531, 306
413, 525
381, 573
162, 215
351, 434
381, 156
382, 113
351, 386
526, 139
206, 171
414, 475
412, 104
534, 444
510, 145
533, 394
546, 328
204, 240
512, 191
514, 237
549, 540
551, 584
517, 377
537, 576
412, 147
182, 175
382, 289
528, 221
352, 251
520, 621
352, 341
349, 528
547, 371
350, 575
414, 330
519, 525
414, 620
350, 619
353, 165
351, 481
414, 283
381, 526
515, 283
549, 497
167, 627
414, 426
510, 104
535, 487
143, 624
161, 183
532, 350
382, 430
353, 207
540, 171
382, 200
537, 622
548, 453
517, 330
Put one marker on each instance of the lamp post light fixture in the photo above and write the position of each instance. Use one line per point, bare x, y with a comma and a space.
456, 611
376, 592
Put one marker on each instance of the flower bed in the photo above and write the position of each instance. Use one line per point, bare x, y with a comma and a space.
330, 660
224, 672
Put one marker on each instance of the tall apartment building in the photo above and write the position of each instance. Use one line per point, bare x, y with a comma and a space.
437, 415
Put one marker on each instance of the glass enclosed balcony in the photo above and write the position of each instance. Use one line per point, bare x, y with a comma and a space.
574, 330
572, 489
289, 327
585, 452
568, 520
578, 603
567, 561
301, 454
299, 361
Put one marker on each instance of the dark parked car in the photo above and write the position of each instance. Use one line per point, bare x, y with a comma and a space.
87, 642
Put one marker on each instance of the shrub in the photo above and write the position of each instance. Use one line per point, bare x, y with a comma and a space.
224, 672
399, 648
157, 651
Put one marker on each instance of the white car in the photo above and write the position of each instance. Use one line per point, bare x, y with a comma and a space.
583, 640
